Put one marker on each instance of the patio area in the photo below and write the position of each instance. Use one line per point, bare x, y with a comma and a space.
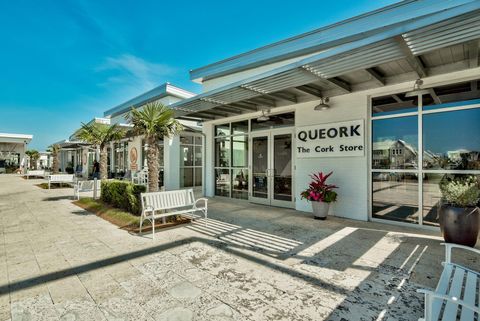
59, 262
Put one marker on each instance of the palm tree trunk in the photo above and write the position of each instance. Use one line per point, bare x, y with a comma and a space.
152, 161
55, 163
103, 162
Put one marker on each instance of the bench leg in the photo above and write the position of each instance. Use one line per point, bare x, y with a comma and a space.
153, 227
48, 184
206, 217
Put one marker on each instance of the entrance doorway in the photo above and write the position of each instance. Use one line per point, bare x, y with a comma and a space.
271, 159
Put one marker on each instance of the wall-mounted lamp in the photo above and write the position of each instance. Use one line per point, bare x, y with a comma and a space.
417, 89
264, 116
323, 104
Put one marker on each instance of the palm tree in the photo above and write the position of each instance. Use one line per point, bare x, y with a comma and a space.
155, 121
34, 155
55, 150
99, 135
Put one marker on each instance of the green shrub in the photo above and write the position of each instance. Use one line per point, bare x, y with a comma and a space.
122, 194
461, 191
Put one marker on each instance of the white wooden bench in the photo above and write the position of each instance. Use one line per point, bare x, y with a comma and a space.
35, 173
162, 204
86, 186
61, 178
455, 297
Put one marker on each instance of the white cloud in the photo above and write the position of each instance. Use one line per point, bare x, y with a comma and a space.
134, 72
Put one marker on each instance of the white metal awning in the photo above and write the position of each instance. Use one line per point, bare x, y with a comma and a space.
339, 69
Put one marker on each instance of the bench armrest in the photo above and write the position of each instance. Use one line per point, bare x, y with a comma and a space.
450, 246
148, 209
204, 200
431, 295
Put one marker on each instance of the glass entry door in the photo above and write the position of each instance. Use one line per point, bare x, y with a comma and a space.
271, 168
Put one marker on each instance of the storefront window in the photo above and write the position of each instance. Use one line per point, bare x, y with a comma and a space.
190, 161
451, 140
120, 156
395, 196
231, 160
445, 124
395, 143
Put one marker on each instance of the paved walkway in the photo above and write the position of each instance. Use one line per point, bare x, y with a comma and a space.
58, 261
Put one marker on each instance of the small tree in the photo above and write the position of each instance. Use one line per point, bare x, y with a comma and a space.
155, 121
55, 150
99, 135
34, 155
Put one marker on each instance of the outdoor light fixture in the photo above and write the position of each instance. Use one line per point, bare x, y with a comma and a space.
264, 116
417, 90
323, 104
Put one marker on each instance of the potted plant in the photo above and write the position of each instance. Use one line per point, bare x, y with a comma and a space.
320, 194
459, 214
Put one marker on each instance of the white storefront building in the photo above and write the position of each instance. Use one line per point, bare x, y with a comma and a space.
12, 151
389, 101
345, 98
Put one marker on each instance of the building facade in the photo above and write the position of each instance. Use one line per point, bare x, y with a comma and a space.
388, 101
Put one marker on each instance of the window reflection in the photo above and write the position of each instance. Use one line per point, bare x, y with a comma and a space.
222, 182
222, 152
395, 196
239, 151
452, 140
395, 143
240, 183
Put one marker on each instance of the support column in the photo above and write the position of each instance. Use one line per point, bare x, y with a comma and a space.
171, 158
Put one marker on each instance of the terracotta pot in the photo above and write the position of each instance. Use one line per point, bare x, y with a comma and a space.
459, 225
320, 210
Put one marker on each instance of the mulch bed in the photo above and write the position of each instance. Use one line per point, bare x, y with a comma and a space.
53, 186
133, 228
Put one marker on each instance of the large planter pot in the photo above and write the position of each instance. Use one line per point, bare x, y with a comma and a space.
320, 210
459, 225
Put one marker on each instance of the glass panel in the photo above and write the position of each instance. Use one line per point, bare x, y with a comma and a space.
186, 140
239, 151
198, 176
459, 94
395, 196
259, 166
198, 156
432, 197
160, 178
160, 156
240, 183
393, 104
222, 130
222, 152
282, 158
452, 140
274, 121
222, 182
186, 155
186, 177
198, 140
395, 143
240, 127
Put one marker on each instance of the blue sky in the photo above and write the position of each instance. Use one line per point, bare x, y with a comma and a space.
63, 62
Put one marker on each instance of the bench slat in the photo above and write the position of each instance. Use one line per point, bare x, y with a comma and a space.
469, 296
451, 308
442, 288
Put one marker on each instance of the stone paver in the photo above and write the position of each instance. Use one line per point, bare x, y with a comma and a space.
59, 262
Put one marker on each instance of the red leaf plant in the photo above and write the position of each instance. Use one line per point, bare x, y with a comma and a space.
318, 190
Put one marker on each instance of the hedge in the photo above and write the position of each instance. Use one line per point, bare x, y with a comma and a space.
122, 194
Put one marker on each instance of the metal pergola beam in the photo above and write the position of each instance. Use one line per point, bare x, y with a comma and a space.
379, 79
284, 96
397, 99
340, 84
473, 53
229, 109
241, 107
263, 101
412, 60
310, 90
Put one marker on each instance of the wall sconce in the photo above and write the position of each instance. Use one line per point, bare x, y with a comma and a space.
323, 104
